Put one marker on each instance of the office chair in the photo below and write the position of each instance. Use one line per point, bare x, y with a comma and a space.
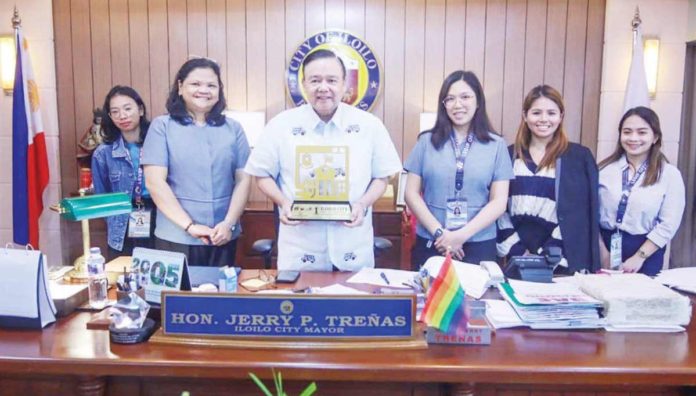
264, 247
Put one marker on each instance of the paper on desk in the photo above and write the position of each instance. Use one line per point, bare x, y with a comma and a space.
644, 329
275, 291
61, 291
473, 278
373, 276
501, 315
337, 288
550, 293
679, 278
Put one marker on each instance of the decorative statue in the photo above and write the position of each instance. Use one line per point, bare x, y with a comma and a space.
90, 139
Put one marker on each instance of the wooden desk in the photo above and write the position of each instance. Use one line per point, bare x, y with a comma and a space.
67, 359
258, 223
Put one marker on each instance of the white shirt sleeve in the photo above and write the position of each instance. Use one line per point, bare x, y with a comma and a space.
385, 159
672, 208
264, 160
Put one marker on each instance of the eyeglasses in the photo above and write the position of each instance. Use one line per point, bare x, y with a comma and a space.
263, 280
450, 101
126, 111
191, 56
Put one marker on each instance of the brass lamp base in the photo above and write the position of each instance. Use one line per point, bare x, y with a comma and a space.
79, 274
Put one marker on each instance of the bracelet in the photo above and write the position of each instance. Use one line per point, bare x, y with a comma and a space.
192, 223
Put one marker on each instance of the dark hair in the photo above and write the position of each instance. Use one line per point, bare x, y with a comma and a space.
175, 103
110, 131
323, 54
559, 143
655, 156
480, 124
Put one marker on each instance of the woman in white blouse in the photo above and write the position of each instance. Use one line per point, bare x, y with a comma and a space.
641, 197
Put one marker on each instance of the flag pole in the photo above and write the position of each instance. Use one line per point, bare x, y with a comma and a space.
16, 20
635, 23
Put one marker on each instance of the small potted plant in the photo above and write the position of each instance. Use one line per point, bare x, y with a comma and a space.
278, 381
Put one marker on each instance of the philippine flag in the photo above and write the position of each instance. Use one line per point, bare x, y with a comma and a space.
637, 85
29, 160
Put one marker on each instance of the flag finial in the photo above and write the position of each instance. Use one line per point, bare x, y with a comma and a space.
16, 20
635, 22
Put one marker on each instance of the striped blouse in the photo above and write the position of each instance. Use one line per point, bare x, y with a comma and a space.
530, 223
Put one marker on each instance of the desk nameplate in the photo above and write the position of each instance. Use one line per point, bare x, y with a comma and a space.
293, 321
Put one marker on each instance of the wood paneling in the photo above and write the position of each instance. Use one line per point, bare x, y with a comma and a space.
512, 45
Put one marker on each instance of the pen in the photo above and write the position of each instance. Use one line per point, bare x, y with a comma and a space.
384, 276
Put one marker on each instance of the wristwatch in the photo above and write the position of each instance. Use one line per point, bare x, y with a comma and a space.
438, 233
642, 254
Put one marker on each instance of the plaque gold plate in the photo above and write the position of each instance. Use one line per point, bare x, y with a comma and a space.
417, 342
326, 211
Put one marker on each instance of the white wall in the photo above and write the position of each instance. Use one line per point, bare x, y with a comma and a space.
692, 21
668, 20
37, 24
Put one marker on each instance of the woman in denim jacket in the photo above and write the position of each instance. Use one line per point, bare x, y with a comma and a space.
116, 168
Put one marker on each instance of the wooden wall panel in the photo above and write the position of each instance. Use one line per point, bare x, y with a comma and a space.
159, 55
120, 44
475, 37
574, 67
101, 49
535, 44
196, 27
512, 45
139, 49
554, 56
494, 68
414, 77
513, 76
434, 66
375, 36
455, 23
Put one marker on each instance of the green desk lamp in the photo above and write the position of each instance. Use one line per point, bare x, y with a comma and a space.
84, 208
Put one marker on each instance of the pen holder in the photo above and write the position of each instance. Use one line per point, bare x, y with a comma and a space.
123, 294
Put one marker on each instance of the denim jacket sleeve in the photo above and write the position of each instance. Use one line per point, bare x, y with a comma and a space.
100, 169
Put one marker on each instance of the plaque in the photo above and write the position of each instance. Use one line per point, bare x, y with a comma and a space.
321, 184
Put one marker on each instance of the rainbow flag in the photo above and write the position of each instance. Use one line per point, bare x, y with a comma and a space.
445, 305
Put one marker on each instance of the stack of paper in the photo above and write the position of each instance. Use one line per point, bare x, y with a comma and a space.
474, 279
501, 315
552, 305
635, 302
683, 279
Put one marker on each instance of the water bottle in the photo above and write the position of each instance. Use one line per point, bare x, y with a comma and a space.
97, 279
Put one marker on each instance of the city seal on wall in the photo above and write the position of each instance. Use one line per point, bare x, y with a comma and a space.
363, 73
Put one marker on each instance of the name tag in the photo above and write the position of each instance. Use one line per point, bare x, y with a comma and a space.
457, 215
615, 250
139, 223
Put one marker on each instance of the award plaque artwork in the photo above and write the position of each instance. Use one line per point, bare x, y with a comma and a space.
321, 183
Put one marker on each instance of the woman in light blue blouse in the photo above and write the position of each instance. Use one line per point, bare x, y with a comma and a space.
194, 160
116, 168
458, 179
641, 196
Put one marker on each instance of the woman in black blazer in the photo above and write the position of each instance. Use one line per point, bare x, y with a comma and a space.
553, 199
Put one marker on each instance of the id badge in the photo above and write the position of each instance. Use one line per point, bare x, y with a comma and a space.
139, 224
457, 215
615, 250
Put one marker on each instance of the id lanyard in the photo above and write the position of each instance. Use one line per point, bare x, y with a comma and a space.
615, 246
138, 188
456, 215
626, 187
460, 156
